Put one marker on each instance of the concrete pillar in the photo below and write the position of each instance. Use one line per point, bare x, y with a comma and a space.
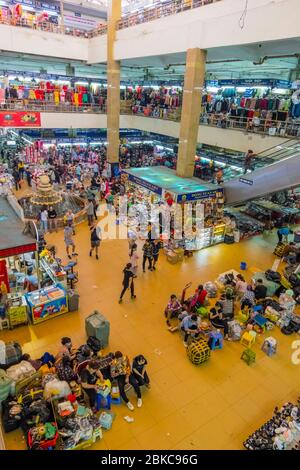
191, 108
113, 83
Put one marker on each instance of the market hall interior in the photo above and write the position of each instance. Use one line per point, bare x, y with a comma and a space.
167, 119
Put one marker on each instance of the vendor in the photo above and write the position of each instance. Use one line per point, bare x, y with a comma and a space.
260, 290
89, 377
31, 281
189, 326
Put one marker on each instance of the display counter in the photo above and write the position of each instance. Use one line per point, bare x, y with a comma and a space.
54, 271
47, 303
16, 311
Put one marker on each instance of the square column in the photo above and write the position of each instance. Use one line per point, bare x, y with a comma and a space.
113, 83
191, 108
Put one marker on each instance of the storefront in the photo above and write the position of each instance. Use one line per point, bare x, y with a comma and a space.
199, 205
23, 271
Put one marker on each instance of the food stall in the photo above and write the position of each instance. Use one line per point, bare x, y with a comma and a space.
156, 185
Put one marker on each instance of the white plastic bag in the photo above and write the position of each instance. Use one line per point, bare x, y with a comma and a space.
20, 371
56, 389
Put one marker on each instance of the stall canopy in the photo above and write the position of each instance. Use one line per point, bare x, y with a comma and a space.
12, 239
160, 180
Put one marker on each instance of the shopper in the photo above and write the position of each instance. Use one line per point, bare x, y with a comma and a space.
283, 234
218, 321
44, 220
248, 298
240, 287
248, 162
148, 255
139, 370
90, 212
173, 309
121, 371
199, 298
96, 237
16, 176
21, 168
30, 281
66, 349
156, 246
28, 177
52, 216
68, 237
134, 257
189, 326
69, 220
227, 305
89, 377
260, 290
128, 282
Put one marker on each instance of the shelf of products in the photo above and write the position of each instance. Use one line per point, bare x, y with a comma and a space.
47, 303
247, 226
53, 271
16, 310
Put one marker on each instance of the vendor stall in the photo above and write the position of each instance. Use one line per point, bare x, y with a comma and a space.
47, 303
161, 185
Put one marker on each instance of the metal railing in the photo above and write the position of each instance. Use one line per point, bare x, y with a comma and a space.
161, 10
270, 127
145, 15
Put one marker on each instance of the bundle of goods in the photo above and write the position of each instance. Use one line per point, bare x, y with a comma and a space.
42, 436
198, 352
279, 249
211, 289
5, 385
10, 354
282, 432
235, 330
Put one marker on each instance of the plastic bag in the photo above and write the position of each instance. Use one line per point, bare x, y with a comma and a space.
20, 371
56, 389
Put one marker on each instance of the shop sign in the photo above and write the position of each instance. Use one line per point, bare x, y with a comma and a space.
198, 195
20, 119
282, 84
144, 184
18, 250
246, 181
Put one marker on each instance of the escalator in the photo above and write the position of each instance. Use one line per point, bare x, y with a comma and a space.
276, 169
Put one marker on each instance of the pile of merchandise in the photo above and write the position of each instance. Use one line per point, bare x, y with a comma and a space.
281, 432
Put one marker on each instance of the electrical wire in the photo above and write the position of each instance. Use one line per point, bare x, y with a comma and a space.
243, 16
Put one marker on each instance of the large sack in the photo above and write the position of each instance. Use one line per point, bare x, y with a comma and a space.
56, 389
20, 371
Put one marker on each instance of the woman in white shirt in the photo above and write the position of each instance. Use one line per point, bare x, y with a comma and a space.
134, 259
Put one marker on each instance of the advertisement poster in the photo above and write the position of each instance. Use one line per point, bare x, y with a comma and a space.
20, 119
49, 309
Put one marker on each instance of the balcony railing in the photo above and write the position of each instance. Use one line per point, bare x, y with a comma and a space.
289, 128
161, 10
145, 15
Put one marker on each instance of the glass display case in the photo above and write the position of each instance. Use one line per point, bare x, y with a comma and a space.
47, 303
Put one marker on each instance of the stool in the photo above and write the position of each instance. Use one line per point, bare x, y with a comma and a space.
4, 324
71, 279
269, 346
260, 321
248, 338
248, 356
71, 265
243, 266
215, 340
103, 402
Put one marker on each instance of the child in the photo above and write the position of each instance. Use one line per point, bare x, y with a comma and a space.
139, 372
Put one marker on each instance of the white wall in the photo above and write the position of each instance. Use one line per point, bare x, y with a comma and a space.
29, 41
224, 138
211, 26
97, 51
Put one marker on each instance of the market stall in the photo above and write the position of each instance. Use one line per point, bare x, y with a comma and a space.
46, 303
146, 186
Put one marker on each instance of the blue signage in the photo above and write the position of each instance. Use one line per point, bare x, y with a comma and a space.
144, 183
199, 195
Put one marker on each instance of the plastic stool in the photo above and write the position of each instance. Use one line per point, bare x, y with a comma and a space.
216, 340
71, 265
71, 278
269, 346
4, 324
243, 266
248, 338
248, 356
103, 402
115, 401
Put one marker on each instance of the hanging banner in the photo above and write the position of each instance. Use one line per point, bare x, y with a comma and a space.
20, 119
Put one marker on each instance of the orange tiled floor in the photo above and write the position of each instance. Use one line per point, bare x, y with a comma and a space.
214, 406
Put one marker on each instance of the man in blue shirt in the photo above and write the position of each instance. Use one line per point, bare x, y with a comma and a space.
283, 232
31, 281
189, 326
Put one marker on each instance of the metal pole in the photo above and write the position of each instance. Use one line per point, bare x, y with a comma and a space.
62, 21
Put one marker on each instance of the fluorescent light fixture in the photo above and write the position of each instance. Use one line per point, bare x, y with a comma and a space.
81, 83
280, 91
62, 81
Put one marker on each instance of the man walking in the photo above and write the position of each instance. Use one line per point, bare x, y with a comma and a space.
248, 164
148, 255
128, 275
69, 241
96, 237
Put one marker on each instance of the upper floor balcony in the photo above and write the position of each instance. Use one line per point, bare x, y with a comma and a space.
166, 29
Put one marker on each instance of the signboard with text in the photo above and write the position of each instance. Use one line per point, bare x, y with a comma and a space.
20, 119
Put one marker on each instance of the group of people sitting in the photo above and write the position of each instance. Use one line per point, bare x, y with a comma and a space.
188, 311
84, 365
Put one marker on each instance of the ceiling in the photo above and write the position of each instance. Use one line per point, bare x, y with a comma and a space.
278, 59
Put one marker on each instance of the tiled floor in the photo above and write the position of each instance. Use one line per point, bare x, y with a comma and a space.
214, 406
